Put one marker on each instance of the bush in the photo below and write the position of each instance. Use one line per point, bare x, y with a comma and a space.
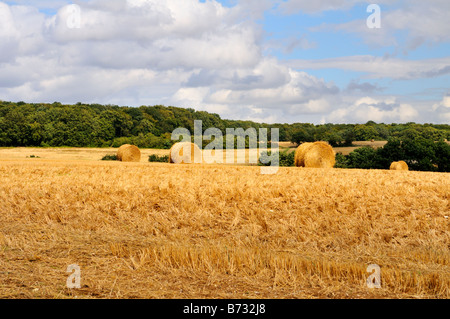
420, 154
365, 158
285, 158
341, 161
144, 141
442, 152
156, 158
109, 158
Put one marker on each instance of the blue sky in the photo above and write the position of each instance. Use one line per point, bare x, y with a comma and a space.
262, 60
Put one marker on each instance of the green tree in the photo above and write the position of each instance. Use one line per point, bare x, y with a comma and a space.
365, 132
301, 136
365, 158
341, 161
442, 153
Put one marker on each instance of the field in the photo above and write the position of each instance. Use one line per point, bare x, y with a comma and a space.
344, 150
95, 154
155, 230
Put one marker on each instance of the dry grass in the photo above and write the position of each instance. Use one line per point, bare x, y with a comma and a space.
358, 144
95, 154
155, 230
69, 153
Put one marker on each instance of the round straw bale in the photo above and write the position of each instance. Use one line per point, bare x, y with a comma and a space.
128, 153
403, 165
300, 154
185, 153
320, 155
399, 166
120, 151
317, 154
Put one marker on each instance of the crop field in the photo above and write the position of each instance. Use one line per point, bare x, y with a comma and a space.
159, 230
344, 150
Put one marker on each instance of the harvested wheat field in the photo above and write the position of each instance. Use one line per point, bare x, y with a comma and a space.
155, 230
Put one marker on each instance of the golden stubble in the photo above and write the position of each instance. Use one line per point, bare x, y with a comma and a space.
158, 230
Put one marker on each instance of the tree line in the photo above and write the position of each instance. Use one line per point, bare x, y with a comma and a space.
419, 153
95, 125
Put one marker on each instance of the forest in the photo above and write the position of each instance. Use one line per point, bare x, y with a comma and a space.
95, 125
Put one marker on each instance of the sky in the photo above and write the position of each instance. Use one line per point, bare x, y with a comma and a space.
270, 61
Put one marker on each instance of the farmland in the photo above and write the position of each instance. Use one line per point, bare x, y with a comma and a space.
95, 154
155, 230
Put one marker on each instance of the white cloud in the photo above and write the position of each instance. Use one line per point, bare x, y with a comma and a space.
160, 37
317, 6
421, 22
298, 91
294, 96
442, 109
380, 67
179, 52
293, 6
185, 53
373, 109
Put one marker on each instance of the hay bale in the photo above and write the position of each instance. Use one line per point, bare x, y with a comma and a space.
185, 153
320, 155
317, 154
300, 154
399, 166
128, 153
120, 151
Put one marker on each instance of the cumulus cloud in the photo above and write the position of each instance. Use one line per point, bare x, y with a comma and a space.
295, 94
409, 26
186, 53
372, 109
180, 52
158, 34
443, 108
120, 44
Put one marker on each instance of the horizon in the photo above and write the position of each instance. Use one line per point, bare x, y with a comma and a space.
266, 61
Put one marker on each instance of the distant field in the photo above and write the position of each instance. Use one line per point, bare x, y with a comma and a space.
155, 230
343, 150
69, 153
95, 154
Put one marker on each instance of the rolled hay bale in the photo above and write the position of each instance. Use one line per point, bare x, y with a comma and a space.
120, 151
317, 155
399, 166
185, 153
128, 153
299, 157
320, 155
